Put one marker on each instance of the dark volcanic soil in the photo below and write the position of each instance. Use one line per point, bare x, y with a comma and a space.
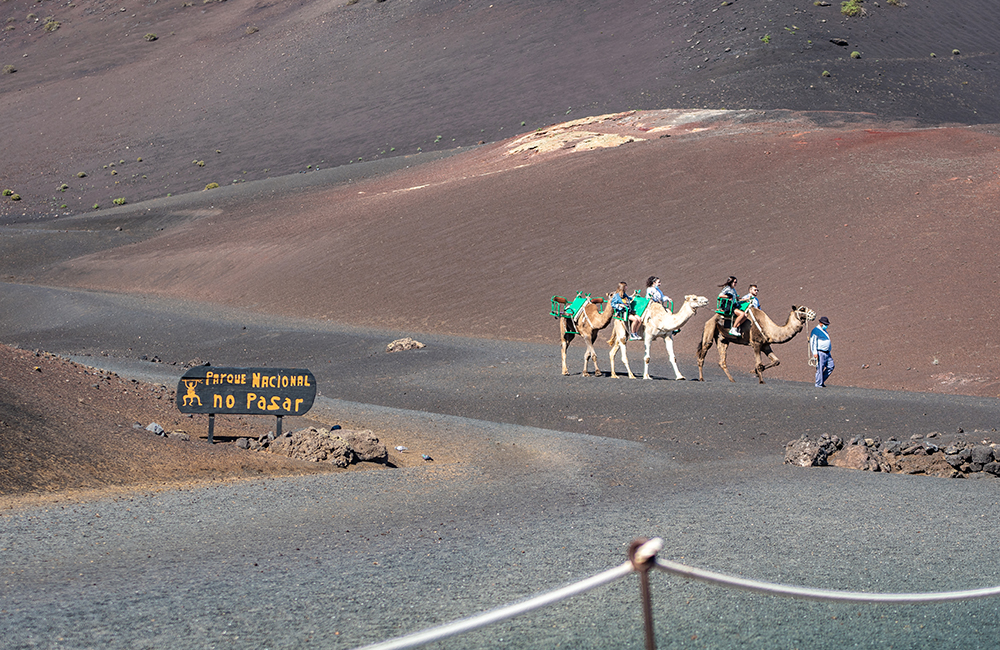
235, 91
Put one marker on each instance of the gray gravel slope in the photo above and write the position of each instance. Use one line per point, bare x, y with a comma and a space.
550, 490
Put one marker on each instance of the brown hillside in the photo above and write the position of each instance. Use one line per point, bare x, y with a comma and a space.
885, 229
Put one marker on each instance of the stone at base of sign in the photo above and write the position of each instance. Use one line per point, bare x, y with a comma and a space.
342, 448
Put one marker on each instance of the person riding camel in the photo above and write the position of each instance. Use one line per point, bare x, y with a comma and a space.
728, 293
746, 302
621, 302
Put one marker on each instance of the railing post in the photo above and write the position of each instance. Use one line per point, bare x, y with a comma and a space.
642, 562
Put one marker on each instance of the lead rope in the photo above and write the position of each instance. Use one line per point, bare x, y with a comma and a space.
753, 319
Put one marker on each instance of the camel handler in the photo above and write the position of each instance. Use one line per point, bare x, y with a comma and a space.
820, 351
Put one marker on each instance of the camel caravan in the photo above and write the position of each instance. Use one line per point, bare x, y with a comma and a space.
735, 321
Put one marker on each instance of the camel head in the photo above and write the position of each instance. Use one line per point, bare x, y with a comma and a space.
803, 313
695, 301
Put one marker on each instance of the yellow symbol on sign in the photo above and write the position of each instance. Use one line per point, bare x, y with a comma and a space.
189, 396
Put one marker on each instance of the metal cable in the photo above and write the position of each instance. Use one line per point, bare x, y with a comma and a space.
503, 613
819, 594
645, 552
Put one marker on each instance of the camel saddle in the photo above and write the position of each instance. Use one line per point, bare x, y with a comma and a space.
563, 308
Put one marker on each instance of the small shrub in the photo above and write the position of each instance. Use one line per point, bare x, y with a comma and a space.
63, 187
855, 54
139, 159
200, 163
955, 52
81, 175
63, 206
150, 37
852, 8
97, 206
52, 25
15, 197
826, 73
32, 17
933, 56
9, 69
8, 192
252, 30
211, 186
895, 3
114, 172
766, 38
120, 201
352, 2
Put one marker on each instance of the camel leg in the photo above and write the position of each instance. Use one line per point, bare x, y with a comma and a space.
619, 339
707, 338
625, 361
723, 348
622, 342
592, 355
761, 367
565, 338
647, 341
669, 341
620, 345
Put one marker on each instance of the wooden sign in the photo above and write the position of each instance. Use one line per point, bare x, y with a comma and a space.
246, 391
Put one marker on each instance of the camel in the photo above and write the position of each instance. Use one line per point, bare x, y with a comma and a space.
757, 331
657, 322
595, 316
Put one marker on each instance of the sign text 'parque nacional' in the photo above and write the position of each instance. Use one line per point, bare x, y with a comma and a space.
253, 391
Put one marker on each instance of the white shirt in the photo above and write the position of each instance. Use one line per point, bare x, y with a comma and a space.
654, 294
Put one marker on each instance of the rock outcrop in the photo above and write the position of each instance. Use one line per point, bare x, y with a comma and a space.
339, 447
407, 343
918, 455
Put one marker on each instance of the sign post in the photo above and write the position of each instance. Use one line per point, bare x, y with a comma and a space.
245, 391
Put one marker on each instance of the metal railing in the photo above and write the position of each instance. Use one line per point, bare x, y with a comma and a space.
642, 559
